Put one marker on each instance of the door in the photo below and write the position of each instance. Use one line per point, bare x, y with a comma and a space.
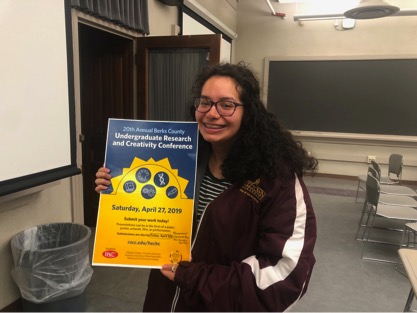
157, 46
106, 87
107, 75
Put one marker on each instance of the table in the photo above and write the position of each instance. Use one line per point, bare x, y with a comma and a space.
409, 260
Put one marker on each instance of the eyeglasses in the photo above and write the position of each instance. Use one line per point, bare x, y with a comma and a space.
223, 107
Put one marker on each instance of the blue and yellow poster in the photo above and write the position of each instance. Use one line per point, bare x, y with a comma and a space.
145, 216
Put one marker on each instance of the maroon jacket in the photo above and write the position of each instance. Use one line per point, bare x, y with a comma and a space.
253, 251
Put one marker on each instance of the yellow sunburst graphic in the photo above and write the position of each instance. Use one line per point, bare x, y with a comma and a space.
151, 180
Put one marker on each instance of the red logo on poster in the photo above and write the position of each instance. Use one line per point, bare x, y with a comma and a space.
110, 254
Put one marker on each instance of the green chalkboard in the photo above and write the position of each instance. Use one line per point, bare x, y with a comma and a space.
345, 96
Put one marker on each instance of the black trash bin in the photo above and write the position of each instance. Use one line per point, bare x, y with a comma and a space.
52, 267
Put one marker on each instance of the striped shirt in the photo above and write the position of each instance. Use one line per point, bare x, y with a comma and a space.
211, 188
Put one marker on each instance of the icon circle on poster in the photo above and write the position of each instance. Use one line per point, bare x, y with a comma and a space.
143, 175
175, 257
172, 192
148, 191
129, 186
161, 179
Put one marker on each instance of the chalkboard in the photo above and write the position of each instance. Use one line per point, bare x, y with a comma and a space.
377, 96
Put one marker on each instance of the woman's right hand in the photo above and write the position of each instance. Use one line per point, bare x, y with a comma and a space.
103, 179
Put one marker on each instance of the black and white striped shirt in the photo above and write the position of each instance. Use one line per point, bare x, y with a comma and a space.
211, 188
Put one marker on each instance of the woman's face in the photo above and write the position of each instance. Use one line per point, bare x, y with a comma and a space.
215, 128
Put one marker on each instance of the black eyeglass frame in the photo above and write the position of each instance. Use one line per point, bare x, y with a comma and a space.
197, 104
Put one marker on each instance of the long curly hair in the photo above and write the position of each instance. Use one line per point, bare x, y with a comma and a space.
264, 148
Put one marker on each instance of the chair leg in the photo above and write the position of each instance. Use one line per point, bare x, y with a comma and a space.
409, 233
409, 302
367, 235
397, 265
357, 191
367, 232
360, 226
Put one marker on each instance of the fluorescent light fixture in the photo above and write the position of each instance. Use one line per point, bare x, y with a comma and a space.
315, 17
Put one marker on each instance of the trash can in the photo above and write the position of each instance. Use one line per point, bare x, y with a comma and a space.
52, 266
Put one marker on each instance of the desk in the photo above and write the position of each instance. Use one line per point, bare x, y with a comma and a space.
409, 259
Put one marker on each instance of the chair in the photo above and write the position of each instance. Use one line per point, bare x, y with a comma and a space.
410, 230
397, 200
398, 190
386, 199
387, 188
375, 209
373, 165
393, 194
393, 188
408, 240
395, 166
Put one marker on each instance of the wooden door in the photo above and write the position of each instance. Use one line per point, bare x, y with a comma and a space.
106, 67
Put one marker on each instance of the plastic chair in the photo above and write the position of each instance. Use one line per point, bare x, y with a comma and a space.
374, 209
408, 240
393, 194
389, 189
387, 199
395, 167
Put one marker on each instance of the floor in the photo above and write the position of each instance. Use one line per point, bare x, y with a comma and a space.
341, 280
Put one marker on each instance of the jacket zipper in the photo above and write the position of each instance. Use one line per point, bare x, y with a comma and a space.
178, 289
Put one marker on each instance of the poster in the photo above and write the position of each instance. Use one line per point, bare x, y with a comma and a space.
145, 217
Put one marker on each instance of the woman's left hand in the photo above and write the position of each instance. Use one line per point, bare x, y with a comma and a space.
168, 270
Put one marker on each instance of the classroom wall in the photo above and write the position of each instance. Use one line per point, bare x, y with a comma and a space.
262, 35
161, 18
224, 10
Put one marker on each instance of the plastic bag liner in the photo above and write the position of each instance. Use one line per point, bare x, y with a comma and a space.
51, 262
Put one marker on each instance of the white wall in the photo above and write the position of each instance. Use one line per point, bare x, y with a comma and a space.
262, 35
224, 10
192, 27
161, 18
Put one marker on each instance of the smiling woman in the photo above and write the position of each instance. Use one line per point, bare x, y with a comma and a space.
37, 133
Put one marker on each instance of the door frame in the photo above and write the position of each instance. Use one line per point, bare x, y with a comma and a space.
78, 17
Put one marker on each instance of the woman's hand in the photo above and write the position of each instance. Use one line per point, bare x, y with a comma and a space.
168, 270
103, 179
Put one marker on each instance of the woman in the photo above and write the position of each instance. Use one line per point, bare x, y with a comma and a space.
255, 228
